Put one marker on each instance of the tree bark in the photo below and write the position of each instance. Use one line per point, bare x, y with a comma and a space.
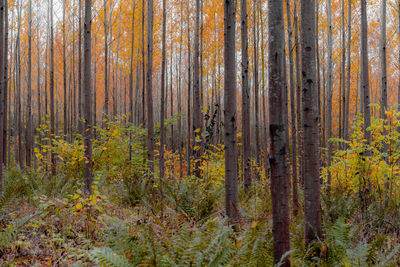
52, 98
292, 110
277, 128
330, 92
196, 94
150, 134
163, 88
245, 98
310, 123
231, 153
88, 97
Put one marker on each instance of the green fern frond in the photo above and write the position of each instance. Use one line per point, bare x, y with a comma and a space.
108, 258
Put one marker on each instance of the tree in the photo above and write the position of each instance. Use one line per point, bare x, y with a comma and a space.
310, 123
163, 88
150, 133
231, 153
52, 98
330, 91
196, 92
28, 141
88, 96
292, 110
384, 100
277, 128
245, 99
364, 71
2, 92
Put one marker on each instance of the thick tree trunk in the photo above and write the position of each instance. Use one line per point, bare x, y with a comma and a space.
277, 127
231, 153
310, 123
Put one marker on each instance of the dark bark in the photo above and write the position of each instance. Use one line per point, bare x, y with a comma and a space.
231, 153
245, 98
277, 128
310, 123
88, 97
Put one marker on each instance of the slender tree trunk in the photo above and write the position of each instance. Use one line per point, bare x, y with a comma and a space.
330, 92
398, 91
245, 98
52, 97
115, 96
28, 141
150, 135
131, 78
310, 123
88, 97
163, 88
3, 99
180, 136
292, 110
189, 135
278, 148
38, 77
298, 95
256, 88
65, 112
196, 93
347, 113
384, 100
106, 81
5, 85
231, 153
364, 71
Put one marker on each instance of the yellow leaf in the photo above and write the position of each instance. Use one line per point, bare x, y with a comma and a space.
79, 206
239, 244
76, 196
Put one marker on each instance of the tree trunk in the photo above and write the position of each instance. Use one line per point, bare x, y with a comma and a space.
88, 97
384, 100
330, 92
347, 113
277, 127
310, 123
245, 99
150, 135
231, 153
364, 71
65, 112
196, 94
163, 88
28, 141
3, 99
292, 111
52, 98
188, 144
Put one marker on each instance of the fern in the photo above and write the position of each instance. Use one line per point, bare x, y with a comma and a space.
108, 258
